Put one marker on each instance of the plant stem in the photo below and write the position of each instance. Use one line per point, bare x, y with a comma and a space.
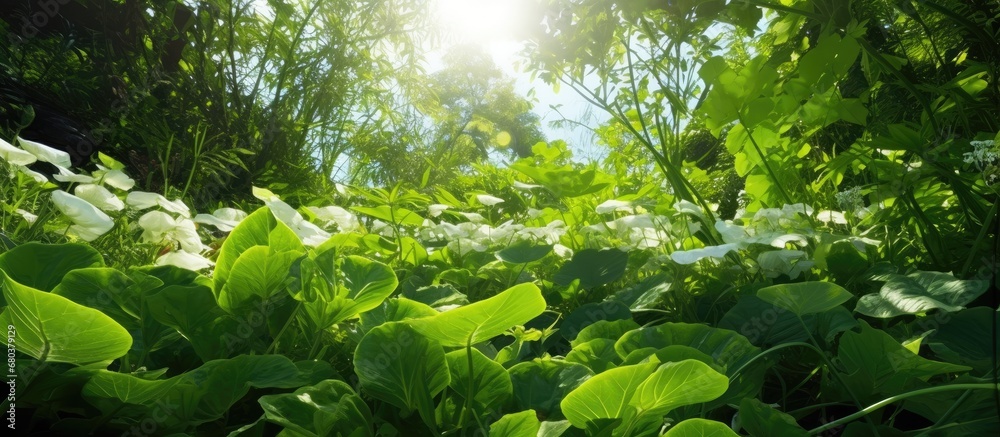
878, 405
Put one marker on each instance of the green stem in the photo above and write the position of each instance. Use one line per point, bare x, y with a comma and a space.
880, 404
288, 322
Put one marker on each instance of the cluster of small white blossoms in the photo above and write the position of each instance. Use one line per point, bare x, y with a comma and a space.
985, 155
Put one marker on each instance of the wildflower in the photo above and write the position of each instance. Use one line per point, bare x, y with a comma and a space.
46, 153
345, 221
224, 219
488, 200
160, 227
15, 155
114, 177
694, 255
143, 200
614, 205
27, 216
88, 221
436, 209
184, 260
99, 197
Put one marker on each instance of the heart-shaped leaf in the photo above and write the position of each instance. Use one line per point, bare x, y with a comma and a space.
805, 297
483, 320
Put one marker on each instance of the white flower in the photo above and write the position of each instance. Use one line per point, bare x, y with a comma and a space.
28, 217
525, 187
614, 205
730, 232
38, 177
46, 153
66, 175
562, 251
99, 197
686, 207
184, 260
88, 221
159, 227
310, 234
692, 256
488, 200
436, 209
463, 246
15, 155
142, 200
835, 217
345, 221
473, 217
114, 177
224, 219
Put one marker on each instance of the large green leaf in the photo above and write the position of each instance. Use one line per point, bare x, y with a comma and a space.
541, 384
761, 419
700, 428
590, 313
593, 268
42, 266
805, 297
112, 391
920, 292
398, 365
605, 396
488, 381
968, 337
767, 325
597, 354
54, 329
678, 383
523, 252
257, 275
259, 229
325, 409
361, 285
485, 319
394, 310
606, 329
877, 365
523, 424
101, 288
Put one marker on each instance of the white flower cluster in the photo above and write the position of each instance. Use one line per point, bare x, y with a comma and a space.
985, 155
476, 236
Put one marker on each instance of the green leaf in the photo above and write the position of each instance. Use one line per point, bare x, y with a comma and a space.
590, 313
256, 276
805, 297
485, 319
965, 337
111, 391
42, 266
676, 384
766, 325
605, 396
542, 383
593, 268
54, 329
877, 365
394, 310
700, 428
101, 288
488, 380
646, 294
437, 296
398, 365
607, 329
920, 292
597, 354
394, 215
259, 229
328, 408
362, 286
761, 419
524, 252
523, 424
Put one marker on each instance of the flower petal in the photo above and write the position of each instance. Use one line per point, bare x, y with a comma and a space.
46, 153
89, 222
15, 155
99, 197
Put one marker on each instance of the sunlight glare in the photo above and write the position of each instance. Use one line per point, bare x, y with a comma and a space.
479, 21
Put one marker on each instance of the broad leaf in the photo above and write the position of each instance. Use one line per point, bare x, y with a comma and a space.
920, 292
488, 381
593, 268
676, 384
605, 396
42, 266
328, 408
256, 276
483, 320
54, 329
805, 297
398, 365
700, 428
524, 252
258, 229
541, 384
523, 424
760, 419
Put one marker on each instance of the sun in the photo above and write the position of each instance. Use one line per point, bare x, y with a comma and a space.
480, 21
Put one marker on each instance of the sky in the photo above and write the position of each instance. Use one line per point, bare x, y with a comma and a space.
486, 23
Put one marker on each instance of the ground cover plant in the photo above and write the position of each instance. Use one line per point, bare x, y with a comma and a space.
770, 247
